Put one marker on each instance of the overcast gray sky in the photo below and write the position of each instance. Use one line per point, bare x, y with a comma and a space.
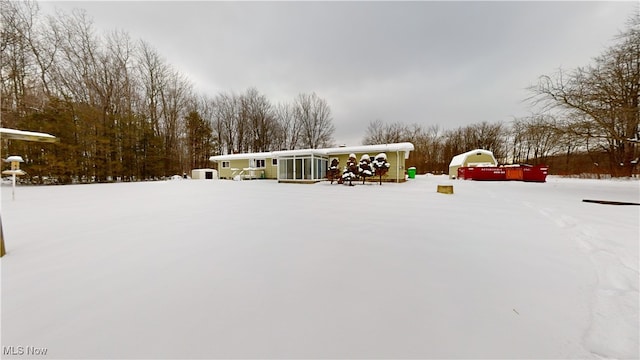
446, 63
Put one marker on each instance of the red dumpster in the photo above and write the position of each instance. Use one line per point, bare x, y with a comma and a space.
481, 173
514, 173
462, 171
536, 173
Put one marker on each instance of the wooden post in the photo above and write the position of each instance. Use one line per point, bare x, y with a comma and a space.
2, 249
445, 189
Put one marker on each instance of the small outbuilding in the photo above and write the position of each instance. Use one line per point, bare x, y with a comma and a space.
473, 158
204, 174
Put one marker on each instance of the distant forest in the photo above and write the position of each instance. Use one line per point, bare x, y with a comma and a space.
122, 113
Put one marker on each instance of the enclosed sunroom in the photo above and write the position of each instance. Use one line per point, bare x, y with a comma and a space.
301, 165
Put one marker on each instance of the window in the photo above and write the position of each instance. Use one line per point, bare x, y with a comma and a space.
297, 167
307, 169
321, 169
286, 169
274, 162
225, 164
259, 163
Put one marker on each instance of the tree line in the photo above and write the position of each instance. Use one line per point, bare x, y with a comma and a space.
586, 120
121, 111
529, 140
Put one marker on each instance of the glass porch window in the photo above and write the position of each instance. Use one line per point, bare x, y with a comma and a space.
308, 167
286, 169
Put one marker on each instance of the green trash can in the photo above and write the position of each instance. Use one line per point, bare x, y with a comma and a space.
411, 172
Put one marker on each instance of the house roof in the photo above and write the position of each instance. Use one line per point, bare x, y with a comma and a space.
26, 135
299, 152
459, 159
260, 155
405, 146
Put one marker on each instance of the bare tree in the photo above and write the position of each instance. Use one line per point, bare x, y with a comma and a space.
489, 137
207, 109
535, 138
226, 122
175, 99
119, 58
605, 94
314, 116
376, 133
260, 119
289, 126
17, 63
379, 132
152, 72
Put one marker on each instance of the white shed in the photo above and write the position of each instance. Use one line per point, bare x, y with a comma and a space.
477, 157
204, 174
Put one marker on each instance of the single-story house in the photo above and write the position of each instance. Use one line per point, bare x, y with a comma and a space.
204, 174
261, 165
307, 165
473, 158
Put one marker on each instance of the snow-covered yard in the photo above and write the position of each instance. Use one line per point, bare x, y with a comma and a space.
257, 269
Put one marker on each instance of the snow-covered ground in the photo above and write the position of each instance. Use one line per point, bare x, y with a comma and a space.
257, 269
